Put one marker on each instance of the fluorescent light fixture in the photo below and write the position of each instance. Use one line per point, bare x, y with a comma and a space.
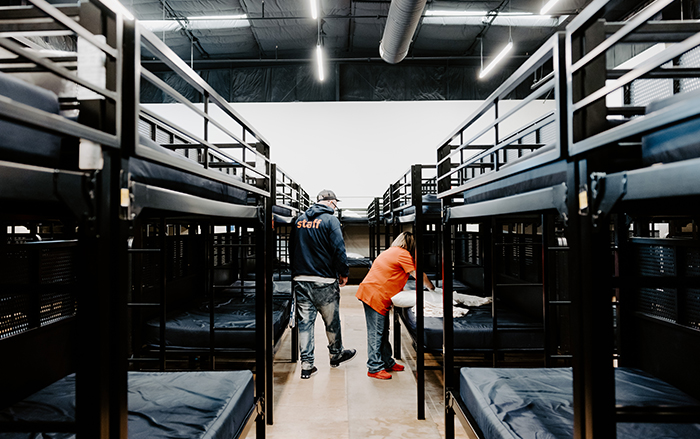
314, 9
197, 24
319, 61
547, 6
439, 13
476, 18
220, 17
456, 13
496, 60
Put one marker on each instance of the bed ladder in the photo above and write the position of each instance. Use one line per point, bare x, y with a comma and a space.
557, 246
161, 304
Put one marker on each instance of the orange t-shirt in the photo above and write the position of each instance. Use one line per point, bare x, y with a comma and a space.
386, 278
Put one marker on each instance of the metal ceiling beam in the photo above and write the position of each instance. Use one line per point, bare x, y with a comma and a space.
183, 22
244, 5
220, 63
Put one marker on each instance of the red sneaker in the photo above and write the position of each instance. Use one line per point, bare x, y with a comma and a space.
381, 375
395, 368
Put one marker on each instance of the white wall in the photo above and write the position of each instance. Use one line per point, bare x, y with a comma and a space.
354, 148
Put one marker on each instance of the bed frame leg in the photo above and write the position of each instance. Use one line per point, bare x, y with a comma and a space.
260, 427
449, 423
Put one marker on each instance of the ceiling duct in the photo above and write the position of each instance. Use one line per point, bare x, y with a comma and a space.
401, 23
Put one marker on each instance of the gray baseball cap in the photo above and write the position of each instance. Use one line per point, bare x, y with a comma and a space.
326, 194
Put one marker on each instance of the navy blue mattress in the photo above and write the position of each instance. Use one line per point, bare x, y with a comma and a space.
474, 331
538, 403
282, 214
234, 321
22, 144
151, 173
359, 262
677, 142
527, 181
162, 405
430, 205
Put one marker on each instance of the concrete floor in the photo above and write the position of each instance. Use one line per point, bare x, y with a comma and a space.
343, 403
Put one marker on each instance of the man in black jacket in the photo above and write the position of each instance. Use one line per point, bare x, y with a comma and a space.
319, 269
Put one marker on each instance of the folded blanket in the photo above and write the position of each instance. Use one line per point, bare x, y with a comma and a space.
432, 306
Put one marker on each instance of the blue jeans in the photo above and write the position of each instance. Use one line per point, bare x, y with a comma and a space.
313, 298
378, 346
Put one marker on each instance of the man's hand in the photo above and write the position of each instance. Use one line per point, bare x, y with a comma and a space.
342, 280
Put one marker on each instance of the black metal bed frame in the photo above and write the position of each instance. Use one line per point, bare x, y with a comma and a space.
605, 183
103, 205
407, 193
377, 227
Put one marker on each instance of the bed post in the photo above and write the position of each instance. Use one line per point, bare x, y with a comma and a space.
101, 379
448, 325
261, 318
268, 228
417, 201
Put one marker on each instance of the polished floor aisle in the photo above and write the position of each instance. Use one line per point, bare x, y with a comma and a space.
343, 403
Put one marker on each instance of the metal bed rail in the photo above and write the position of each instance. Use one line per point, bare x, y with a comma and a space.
497, 138
27, 33
623, 67
401, 194
289, 193
223, 139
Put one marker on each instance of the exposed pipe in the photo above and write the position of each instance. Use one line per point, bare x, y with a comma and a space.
401, 23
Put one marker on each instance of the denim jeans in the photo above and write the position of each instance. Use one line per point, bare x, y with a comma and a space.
313, 298
378, 346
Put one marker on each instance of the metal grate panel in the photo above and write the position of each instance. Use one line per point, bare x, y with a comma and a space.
14, 265
659, 302
58, 265
548, 133
57, 305
690, 59
656, 260
645, 91
14, 314
145, 128
162, 136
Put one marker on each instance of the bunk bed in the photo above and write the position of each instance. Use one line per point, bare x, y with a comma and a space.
355, 224
201, 260
290, 200
632, 242
187, 331
502, 178
378, 236
74, 180
410, 204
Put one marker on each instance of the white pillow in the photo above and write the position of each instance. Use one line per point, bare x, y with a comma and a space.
404, 299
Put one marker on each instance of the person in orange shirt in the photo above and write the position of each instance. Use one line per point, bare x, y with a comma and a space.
385, 279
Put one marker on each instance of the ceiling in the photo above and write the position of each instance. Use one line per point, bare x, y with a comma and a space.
282, 33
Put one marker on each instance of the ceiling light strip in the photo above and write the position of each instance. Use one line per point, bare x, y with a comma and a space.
496, 60
314, 9
319, 61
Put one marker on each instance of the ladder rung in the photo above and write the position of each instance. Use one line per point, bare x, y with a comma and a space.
143, 360
561, 356
142, 304
144, 250
557, 248
560, 302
